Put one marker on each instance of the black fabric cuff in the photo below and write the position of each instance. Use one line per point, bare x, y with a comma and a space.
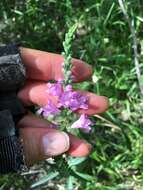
11, 150
12, 70
12, 78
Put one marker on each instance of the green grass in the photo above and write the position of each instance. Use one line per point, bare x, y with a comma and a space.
103, 39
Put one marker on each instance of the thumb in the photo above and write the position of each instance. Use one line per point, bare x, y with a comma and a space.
43, 143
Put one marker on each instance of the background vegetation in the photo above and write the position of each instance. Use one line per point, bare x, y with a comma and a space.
104, 40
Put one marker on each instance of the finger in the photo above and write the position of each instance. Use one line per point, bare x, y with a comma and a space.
96, 104
48, 66
35, 93
41, 141
78, 147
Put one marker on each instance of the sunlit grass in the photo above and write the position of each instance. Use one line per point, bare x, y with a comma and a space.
103, 39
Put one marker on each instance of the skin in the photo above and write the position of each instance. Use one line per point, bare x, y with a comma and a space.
41, 67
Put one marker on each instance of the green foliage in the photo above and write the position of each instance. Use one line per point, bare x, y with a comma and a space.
102, 39
67, 45
45, 179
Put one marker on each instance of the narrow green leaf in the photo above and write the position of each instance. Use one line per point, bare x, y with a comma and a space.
139, 18
84, 176
141, 80
18, 12
70, 183
2, 187
109, 13
75, 161
45, 179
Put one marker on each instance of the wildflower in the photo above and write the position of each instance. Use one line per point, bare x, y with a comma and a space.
83, 123
55, 89
68, 88
49, 109
78, 101
68, 98
73, 100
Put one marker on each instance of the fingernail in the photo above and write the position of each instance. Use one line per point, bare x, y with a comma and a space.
55, 143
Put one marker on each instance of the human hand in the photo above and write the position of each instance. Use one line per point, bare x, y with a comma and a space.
40, 140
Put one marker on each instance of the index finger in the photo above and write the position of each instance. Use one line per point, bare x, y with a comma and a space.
45, 66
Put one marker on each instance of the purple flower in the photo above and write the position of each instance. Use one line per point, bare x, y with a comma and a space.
68, 88
68, 98
55, 89
73, 100
78, 101
83, 123
49, 109
65, 99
